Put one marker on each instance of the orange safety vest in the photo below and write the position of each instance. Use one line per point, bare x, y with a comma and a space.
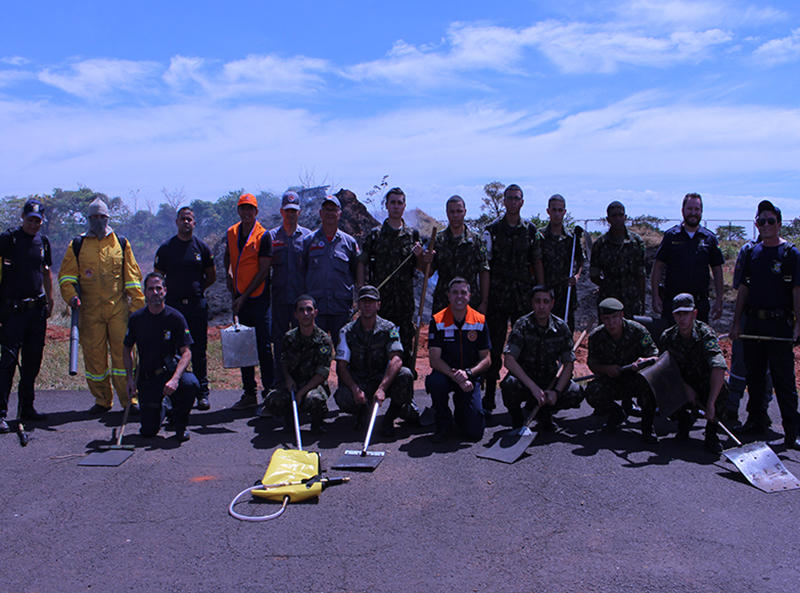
244, 266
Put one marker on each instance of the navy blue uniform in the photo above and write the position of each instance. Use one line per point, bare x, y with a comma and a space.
770, 275
688, 260
184, 264
23, 313
461, 344
159, 339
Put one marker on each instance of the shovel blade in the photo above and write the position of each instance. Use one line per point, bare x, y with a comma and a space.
111, 458
762, 468
510, 446
355, 460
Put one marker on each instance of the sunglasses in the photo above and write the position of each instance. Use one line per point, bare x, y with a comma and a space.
770, 221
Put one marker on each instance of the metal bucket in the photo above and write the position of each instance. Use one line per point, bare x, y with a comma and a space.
239, 346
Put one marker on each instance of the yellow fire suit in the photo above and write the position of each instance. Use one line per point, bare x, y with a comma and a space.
105, 289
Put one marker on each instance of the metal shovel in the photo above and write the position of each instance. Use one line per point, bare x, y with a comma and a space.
115, 454
363, 459
513, 444
759, 464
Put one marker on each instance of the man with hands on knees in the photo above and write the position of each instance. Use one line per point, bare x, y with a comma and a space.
163, 342
459, 351
369, 364
537, 343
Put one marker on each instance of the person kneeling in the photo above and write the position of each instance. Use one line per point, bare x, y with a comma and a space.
369, 364
459, 351
161, 335
534, 348
306, 363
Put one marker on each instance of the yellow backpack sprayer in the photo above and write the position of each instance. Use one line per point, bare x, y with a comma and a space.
292, 476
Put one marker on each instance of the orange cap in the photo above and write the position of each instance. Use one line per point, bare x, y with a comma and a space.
248, 199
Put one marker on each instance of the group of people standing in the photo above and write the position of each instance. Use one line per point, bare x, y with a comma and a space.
296, 288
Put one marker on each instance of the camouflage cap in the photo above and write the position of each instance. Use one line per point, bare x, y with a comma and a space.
369, 292
610, 306
683, 302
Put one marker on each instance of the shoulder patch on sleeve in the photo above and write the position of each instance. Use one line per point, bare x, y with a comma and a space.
394, 333
711, 344
646, 339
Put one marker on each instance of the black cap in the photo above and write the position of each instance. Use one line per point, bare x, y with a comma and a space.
767, 205
33, 207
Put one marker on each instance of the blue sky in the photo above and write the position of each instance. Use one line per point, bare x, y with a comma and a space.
639, 100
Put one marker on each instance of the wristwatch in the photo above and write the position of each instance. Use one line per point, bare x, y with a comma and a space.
469, 373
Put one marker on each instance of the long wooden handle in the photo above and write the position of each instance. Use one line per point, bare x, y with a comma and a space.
422, 301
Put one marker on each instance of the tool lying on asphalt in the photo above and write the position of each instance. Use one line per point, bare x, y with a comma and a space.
291, 476
759, 464
513, 444
239, 347
116, 453
363, 459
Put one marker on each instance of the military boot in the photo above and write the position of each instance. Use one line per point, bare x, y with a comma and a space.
615, 418
711, 443
685, 423
545, 423
488, 397
648, 436
516, 417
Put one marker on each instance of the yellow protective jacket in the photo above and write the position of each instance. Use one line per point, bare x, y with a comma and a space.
103, 281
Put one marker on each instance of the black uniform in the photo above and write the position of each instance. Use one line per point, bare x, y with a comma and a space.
184, 264
770, 274
23, 313
159, 339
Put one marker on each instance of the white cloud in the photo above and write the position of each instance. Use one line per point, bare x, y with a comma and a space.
94, 78
779, 51
573, 47
642, 144
14, 61
700, 14
251, 76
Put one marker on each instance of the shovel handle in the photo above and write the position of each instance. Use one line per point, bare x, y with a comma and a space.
375, 407
730, 434
296, 417
124, 421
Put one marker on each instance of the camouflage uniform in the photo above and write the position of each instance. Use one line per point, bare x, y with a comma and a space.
556, 260
304, 358
538, 351
463, 256
636, 342
696, 357
384, 250
367, 355
620, 263
512, 257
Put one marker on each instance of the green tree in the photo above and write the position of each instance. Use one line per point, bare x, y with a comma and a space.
731, 232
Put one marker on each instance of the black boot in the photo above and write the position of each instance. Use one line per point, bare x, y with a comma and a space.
648, 436
711, 443
516, 417
685, 423
615, 418
488, 397
546, 423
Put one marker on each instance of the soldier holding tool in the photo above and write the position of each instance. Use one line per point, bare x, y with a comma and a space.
769, 294
248, 257
618, 263
620, 342
188, 266
288, 279
538, 342
163, 341
306, 360
26, 301
369, 364
102, 264
458, 251
390, 255
515, 258
694, 347
458, 347
562, 258
330, 259
687, 251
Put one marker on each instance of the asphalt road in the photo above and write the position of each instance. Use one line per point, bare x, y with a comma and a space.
581, 511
